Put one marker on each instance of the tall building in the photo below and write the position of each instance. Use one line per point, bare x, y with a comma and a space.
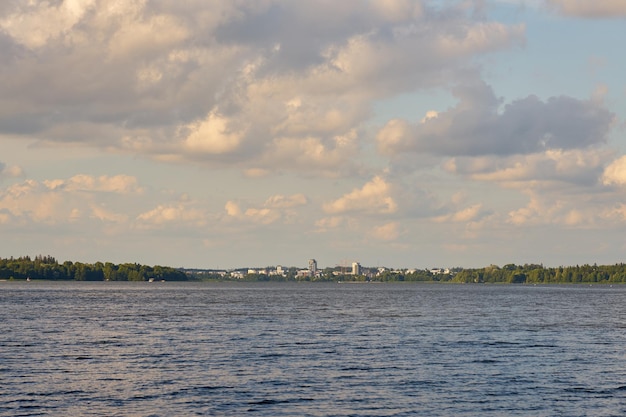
356, 268
312, 267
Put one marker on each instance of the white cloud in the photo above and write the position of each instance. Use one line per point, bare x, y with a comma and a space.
386, 232
37, 22
281, 201
330, 157
145, 37
464, 215
232, 209
615, 173
262, 215
121, 184
374, 197
569, 211
328, 223
214, 135
196, 81
32, 200
101, 213
276, 207
556, 166
173, 214
66, 201
590, 9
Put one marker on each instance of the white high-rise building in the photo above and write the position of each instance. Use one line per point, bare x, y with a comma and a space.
356, 268
312, 267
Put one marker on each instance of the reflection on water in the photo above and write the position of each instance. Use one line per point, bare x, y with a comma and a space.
165, 349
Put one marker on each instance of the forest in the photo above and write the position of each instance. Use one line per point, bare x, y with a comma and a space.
47, 268
538, 274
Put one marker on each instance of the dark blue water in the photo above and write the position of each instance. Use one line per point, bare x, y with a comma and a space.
164, 349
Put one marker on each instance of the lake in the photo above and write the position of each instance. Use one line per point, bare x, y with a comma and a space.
265, 349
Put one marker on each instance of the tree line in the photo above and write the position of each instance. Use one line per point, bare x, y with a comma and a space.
48, 268
538, 274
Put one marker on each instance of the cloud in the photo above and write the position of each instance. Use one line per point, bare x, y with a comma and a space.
276, 207
386, 232
615, 213
327, 223
551, 168
375, 197
543, 210
101, 213
615, 173
121, 184
233, 209
82, 197
476, 126
147, 36
213, 136
36, 24
590, 9
13, 171
330, 158
281, 201
173, 214
33, 201
464, 215
265, 86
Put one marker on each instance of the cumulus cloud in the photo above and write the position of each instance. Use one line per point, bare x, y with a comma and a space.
615, 173
213, 136
31, 200
172, 214
476, 126
263, 86
590, 9
35, 24
577, 167
66, 201
276, 207
375, 197
331, 157
543, 210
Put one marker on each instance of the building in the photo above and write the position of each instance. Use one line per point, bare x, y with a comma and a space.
312, 267
279, 271
356, 268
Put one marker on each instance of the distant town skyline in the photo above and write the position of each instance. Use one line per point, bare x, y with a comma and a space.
405, 133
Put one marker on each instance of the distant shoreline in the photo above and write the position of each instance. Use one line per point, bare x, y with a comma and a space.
47, 268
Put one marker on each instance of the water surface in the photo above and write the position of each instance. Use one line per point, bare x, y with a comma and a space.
229, 349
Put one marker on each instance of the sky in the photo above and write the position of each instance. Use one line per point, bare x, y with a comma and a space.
253, 133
